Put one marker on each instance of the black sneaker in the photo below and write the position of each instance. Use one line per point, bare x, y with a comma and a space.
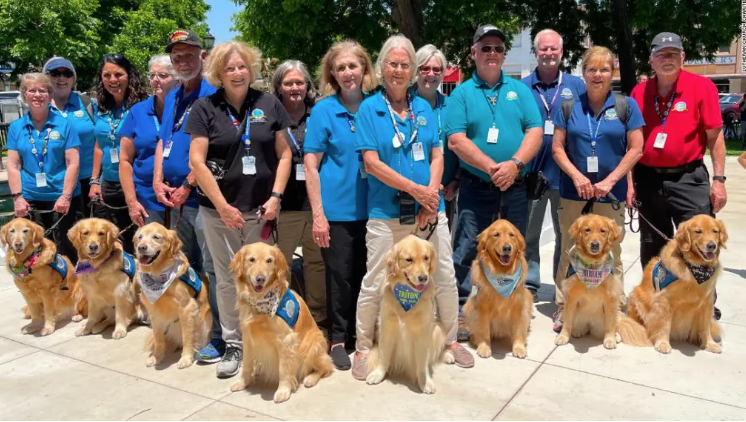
717, 314
534, 295
231, 362
340, 359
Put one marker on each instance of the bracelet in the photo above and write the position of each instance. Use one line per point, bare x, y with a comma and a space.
95, 181
16, 195
68, 197
276, 195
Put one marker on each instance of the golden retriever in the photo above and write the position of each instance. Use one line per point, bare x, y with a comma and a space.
281, 342
180, 311
112, 296
500, 304
592, 292
47, 294
409, 339
687, 268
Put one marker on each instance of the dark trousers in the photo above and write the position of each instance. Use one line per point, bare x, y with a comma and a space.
451, 211
59, 234
85, 189
344, 262
113, 196
668, 200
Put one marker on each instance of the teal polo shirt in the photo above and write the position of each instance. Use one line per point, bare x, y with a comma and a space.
470, 111
106, 130
75, 112
329, 132
375, 132
450, 159
60, 136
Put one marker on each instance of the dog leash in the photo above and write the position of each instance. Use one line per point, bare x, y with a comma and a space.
429, 228
617, 205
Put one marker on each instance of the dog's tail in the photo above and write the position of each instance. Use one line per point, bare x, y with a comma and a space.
632, 333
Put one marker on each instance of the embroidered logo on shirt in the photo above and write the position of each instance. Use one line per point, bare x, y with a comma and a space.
511, 96
421, 120
257, 116
680, 106
611, 114
78, 113
54, 135
566, 93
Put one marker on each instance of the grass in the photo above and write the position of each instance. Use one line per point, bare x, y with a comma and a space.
733, 147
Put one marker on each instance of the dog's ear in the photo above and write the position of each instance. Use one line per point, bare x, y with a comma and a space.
37, 235
481, 239
392, 260
281, 265
174, 243
574, 229
4, 235
723, 235
614, 231
433, 258
521, 241
236, 266
112, 232
682, 237
136, 238
74, 234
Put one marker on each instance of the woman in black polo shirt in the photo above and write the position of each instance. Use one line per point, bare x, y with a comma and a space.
240, 157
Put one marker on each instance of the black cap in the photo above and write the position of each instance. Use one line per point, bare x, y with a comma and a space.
485, 30
666, 40
183, 36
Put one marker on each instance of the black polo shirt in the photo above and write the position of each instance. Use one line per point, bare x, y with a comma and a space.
266, 115
296, 196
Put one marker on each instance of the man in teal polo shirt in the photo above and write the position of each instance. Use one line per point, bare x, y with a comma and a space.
495, 127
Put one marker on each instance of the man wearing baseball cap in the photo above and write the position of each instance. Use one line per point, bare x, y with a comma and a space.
494, 126
682, 119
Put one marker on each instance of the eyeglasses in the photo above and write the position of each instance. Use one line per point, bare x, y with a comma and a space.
39, 91
61, 73
291, 84
499, 49
160, 75
183, 58
396, 65
594, 71
427, 69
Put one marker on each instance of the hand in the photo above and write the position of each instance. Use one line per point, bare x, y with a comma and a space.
162, 193
137, 213
20, 206
718, 196
271, 207
179, 196
504, 175
62, 205
426, 197
631, 197
231, 216
95, 191
451, 189
583, 186
424, 217
321, 230
602, 188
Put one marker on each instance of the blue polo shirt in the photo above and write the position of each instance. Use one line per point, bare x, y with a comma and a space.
375, 132
450, 159
176, 165
611, 144
76, 113
343, 190
470, 111
142, 125
60, 136
108, 126
562, 88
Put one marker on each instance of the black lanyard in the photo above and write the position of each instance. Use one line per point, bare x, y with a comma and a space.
664, 116
177, 125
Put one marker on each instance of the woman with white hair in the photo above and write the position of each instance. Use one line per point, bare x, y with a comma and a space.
397, 133
139, 140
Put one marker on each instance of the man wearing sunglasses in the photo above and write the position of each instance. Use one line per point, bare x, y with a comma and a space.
495, 128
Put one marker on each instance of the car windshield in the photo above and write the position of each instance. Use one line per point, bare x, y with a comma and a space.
730, 99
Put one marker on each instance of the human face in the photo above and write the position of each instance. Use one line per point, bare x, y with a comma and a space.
236, 74
488, 62
597, 75
37, 96
187, 60
397, 70
430, 75
549, 54
161, 80
293, 88
348, 71
62, 81
667, 62
115, 79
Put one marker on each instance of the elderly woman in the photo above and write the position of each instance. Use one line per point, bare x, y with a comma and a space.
43, 164
139, 133
241, 134
292, 84
596, 145
337, 189
118, 88
431, 66
79, 110
398, 136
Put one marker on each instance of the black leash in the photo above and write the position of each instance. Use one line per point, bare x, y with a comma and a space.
617, 205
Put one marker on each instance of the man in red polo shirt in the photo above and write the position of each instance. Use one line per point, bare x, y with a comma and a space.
682, 119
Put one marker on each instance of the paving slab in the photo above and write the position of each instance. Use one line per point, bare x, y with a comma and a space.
11, 350
219, 411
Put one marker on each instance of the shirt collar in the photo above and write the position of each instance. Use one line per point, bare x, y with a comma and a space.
479, 82
151, 105
51, 120
609, 103
381, 107
339, 108
441, 99
302, 119
678, 86
535, 80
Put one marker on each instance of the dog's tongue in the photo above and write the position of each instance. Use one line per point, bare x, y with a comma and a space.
709, 255
420, 288
504, 259
145, 260
258, 288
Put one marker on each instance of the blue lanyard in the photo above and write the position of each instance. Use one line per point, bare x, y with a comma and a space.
594, 137
39, 158
157, 126
236, 124
664, 116
350, 121
295, 142
438, 107
492, 104
549, 106
177, 125
411, 120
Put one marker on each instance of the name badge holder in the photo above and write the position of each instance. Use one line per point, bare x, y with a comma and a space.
592, 161
493, 132
248, 161
548, 125
418, 152
660, 138
41, 177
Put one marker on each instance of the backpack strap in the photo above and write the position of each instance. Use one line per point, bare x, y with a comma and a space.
88, 104
289, 309
622, 108
191, 279
567, 109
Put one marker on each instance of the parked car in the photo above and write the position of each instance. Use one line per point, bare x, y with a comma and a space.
729, 108
10, 96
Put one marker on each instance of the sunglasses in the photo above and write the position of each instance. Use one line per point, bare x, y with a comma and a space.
427, 69
61, 73
499, 49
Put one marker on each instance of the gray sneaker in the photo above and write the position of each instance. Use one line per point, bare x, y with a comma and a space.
231, 362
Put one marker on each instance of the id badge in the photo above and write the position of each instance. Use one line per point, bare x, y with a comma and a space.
548, 128
167, 148
363, 173
41, 180
114, 152
417, 151
300, 174
592, 164
492, 135
660, 140
249, 165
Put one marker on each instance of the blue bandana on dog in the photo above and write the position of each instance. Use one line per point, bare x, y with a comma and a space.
406, 296
503, 284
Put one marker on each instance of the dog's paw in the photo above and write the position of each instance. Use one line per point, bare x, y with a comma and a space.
282, 394
429, 387
662, 347
519, 351
77, 318
484, 350
26, 313
576, 334
311, 379
375, 377
618, 337
185, 362
31, 328
238, 386
119, 333
82, 331
561, 340
714, 348
152, 361
47, 330
610, 343
448, 357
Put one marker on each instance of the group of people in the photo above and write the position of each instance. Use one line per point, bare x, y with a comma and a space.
373, 154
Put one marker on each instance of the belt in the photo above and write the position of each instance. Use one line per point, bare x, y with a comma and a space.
686, 168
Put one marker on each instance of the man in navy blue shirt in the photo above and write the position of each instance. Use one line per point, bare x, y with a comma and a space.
550, 87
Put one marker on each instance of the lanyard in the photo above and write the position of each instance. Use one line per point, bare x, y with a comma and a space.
350, 121
39, 159
177, 125
295, 142
438, 107
114, 124
549, 106
157, 125
492, 103
594, 137
664, 116
236, 124
411, 119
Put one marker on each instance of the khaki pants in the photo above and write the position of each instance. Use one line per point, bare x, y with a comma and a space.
381, 237
569, 211
296, 227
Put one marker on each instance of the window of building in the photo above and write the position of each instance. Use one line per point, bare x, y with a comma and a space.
517, 41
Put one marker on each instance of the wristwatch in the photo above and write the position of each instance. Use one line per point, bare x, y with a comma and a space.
186, 184
277, 195
518, 164
16, 195
68, 197
718, 179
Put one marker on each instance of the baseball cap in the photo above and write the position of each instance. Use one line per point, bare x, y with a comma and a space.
666, 40
485, 30
183, 36
57, 63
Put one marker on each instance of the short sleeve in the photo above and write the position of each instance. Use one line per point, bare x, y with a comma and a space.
198, 123
12, 141
531, 113
456, 117
634, 115
709, 108
282, 121
128, 126
558, 116
72, 140
317, 136
365, 132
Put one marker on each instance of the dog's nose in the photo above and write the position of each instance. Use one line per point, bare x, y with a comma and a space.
18, 245
142, 248
93, 247
595, 245
422, 278
507, 248
711, 246
260, 279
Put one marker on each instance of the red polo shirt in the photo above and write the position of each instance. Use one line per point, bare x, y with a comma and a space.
694, 109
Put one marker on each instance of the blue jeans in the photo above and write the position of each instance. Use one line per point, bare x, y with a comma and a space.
477, 209
536, 211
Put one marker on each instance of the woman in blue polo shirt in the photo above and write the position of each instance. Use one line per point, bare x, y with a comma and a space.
595, 146
43, 164
118, 87
337, 189
139, 133
397, 133
79, 110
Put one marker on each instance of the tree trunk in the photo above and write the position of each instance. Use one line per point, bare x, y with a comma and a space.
407, 15
624, 45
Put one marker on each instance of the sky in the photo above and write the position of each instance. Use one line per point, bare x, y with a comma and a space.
219, 19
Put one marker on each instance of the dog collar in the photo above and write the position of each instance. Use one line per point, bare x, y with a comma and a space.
701, 273
23, 269
153, 286
84, 267
503, 284
406, 296
266, 304
591, 274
